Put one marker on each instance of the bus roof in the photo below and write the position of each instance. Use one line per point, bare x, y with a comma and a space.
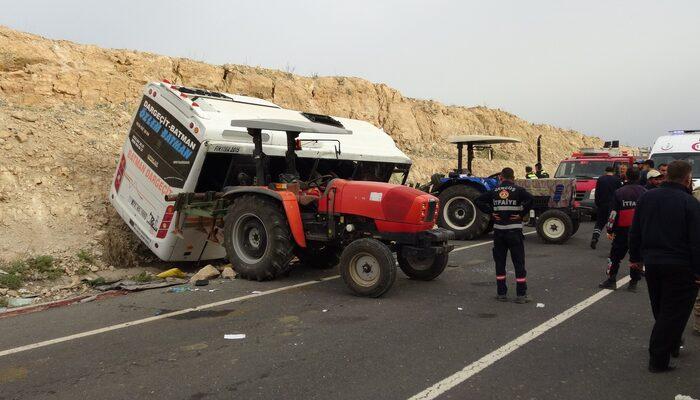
215, 111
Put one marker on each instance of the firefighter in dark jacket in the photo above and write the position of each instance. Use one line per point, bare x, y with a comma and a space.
605, 188
622, 210
665, 236
508, 204
541, 173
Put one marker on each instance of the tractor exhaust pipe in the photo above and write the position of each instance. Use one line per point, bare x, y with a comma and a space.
539, 149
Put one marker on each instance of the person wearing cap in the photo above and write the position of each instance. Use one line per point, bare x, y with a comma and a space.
665, 236
529, 174
647, 166
654, 179
541, 173
622, 209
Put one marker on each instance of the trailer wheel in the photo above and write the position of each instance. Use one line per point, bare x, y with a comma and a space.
322, 258
421, 267
257, 238
555, 226
459, 214
368, 267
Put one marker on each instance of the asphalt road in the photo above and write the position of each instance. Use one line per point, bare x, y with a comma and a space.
443, 339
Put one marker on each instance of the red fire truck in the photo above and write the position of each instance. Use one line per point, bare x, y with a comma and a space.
587, 165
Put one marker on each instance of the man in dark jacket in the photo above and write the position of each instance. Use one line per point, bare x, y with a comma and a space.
508, 204
665, 236
622, 210
654, 179
647, 165
605, 188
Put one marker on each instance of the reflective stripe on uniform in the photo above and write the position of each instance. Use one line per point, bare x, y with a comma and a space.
509, 226
500, 277
507, 208
520, 280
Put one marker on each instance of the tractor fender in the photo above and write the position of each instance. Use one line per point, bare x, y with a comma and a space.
289, 203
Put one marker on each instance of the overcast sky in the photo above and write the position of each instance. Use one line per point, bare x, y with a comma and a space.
617, 69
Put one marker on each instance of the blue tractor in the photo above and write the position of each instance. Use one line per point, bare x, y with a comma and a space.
459, 188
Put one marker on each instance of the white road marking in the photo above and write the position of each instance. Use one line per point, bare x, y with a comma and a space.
482, 243
484, 362
158, 317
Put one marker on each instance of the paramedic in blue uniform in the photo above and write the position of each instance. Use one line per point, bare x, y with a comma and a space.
622, 210
508, 203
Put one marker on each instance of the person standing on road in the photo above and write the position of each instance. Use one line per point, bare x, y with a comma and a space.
654, 179
529, 174
647, 165
622, 172
622, 210
665, 236
541, 173
508, 204
605, 189
663, 168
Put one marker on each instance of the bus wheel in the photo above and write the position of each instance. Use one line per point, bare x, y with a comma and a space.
257, 238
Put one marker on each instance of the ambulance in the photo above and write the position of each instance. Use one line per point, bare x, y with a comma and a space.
679, 145
182, 139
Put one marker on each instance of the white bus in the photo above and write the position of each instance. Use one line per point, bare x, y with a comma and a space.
181, 140
679, 145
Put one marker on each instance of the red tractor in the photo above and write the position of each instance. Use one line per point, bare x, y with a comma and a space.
323, 221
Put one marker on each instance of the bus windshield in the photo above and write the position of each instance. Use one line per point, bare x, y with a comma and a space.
665, 158
582, 169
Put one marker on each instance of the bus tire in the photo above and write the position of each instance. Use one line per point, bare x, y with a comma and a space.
257, 238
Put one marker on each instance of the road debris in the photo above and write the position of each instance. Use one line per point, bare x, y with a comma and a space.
133, 286
172, 273
201, 282
179, 289
459, 308
256, 292
19, 301
234, 336
540, 305
228, 272
208, 272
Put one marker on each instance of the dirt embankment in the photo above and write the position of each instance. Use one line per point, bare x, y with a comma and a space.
65, 107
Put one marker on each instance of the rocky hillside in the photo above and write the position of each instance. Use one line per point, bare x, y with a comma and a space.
65, 107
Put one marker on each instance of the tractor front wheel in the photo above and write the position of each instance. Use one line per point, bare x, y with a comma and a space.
257, 238
459, 214
420, 267
368, 267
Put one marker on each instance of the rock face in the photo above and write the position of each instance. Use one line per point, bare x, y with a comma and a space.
65, 110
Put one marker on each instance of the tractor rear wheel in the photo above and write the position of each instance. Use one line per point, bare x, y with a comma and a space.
368, 267
555, 226
459, 214
421, 267
257, 238
320, 258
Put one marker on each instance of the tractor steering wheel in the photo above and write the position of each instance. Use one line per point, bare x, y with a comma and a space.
494, 176
319, 181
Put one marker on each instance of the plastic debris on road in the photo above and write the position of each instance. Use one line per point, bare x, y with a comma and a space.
234, 336
179, 289
134, 286
20, 301
172, 273
540, 305
459, 309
